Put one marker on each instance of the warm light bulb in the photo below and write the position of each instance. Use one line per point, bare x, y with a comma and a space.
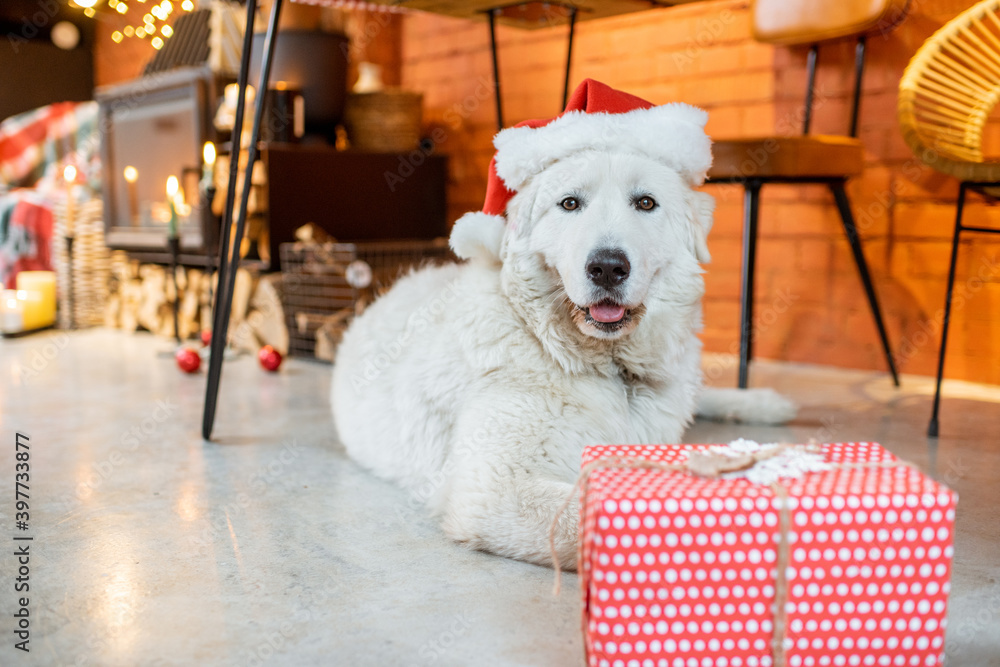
116, 37
187, 5
172, 187
69, 173
158, 13
166, 30
208, 153
112, 3
167, 6
121, 8
129, 31
85, 3
157, 43
140, 32
148, 18
131, 174
89, 12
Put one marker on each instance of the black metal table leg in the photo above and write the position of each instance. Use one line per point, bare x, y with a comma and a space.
751, 203
569, 54
229, 247
932, 427
492, 15
847, 217
496, 66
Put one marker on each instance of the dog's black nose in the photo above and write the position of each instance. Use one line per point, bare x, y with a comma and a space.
608, 268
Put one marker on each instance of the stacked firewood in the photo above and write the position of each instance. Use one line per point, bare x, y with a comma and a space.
143, 296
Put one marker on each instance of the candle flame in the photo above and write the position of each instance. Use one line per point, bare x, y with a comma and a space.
172, 187
131, 174
69, 173
208, 152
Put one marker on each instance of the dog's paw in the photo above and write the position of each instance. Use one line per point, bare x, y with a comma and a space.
766, 406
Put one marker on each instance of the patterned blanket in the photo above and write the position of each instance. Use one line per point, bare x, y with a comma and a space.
34, 149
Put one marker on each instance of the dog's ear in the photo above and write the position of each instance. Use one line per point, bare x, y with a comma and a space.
702, 210
478, 236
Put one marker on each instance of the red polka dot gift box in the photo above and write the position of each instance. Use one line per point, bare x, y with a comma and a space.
681, 570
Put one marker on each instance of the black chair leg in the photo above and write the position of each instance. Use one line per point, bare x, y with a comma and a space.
229, 247
751, 202
932, 428
847, 217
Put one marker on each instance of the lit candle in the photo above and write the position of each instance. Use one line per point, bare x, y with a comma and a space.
37, 289
131, 176
208, 168
172, 188
69, 173
11, 312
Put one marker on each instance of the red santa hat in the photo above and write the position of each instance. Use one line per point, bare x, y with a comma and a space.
597, 117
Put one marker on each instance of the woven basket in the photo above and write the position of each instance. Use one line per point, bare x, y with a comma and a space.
91, 265
384, 122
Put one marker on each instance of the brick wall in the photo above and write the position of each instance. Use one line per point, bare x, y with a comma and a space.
811, 305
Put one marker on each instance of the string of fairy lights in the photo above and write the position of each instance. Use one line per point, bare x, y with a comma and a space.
153, 25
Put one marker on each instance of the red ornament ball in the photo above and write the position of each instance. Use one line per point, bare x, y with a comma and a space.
188, 360
269, 358
206, 336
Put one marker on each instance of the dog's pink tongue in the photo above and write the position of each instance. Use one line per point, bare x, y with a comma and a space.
607, 312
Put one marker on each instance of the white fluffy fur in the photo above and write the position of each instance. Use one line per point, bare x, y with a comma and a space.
472, 385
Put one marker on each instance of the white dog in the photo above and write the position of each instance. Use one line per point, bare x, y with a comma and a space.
476, 386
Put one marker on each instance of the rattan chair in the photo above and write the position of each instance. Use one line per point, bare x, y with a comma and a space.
808, 158
945, 98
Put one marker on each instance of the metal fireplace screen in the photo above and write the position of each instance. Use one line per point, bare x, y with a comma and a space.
333, 282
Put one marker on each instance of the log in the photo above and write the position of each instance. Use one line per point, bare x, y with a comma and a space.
113, 311
131, 300
152, 296
269, 321
241, 333
206, 294
330, 333
313, 233
187, 313
242, 291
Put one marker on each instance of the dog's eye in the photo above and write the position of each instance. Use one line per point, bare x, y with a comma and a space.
645, 203
570, 203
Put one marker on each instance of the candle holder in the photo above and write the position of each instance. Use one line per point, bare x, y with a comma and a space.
211, 247
70, 306
174, 246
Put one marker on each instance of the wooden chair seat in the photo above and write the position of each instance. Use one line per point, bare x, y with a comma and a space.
810, 156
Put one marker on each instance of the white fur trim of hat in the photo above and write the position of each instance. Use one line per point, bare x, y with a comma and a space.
673, 134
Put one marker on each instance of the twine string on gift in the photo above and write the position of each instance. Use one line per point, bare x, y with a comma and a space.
712, 465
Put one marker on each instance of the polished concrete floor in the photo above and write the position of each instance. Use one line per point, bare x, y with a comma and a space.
268, 547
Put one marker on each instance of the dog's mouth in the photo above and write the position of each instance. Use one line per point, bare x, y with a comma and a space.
607, 312
607, 317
